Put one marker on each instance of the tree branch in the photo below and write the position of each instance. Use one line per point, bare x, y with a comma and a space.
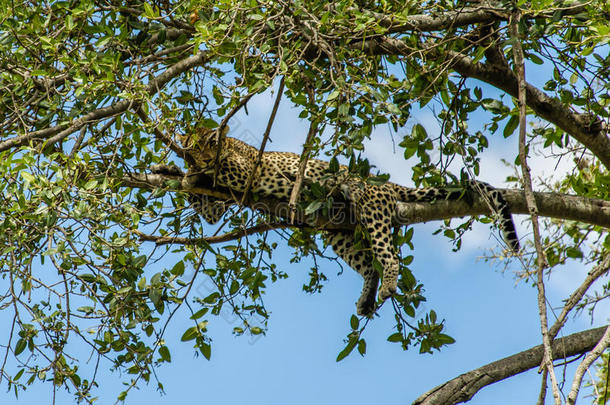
593, 355
464, 387
598, 271
61, 131
261, 150
298, 181
229, 236
449, 19
554, 205
531, 202
585, 128
462, 18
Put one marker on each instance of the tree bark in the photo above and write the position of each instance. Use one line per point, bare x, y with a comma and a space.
465, 386
585, 128
554, 205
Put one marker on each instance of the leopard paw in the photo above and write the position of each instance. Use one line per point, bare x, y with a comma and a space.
386, 292
168, 170
366, 306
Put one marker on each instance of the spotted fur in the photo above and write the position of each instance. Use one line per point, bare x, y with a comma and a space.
374, 204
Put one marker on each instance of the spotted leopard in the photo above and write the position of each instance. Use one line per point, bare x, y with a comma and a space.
374, 204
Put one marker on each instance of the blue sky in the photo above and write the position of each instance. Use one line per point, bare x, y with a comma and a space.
488, 313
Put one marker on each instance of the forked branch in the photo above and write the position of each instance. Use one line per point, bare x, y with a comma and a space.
465, 386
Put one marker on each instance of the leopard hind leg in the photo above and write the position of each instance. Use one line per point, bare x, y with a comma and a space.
375, 214
361, 260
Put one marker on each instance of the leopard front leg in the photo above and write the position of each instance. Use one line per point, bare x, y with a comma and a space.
361, 261
210, 208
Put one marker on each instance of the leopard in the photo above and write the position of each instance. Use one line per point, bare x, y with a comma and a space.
230, 162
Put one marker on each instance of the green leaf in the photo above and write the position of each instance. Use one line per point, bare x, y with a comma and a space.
165, 355
90, 185
510, 127
378, 180
535, 59
445, 339
362, 347
199, 313
155, 295
313, 207
419, 132
206, 350
335, 93
395, 337
20, 346
574, 252
190, 334
348, 349
90, 278
148, 11
19, 374
354, 322
28, 177
178, 268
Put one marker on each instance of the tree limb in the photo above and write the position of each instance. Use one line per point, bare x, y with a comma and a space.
554, 205
229, 236
593, 355
465, 386
585, 128
531, 202
598, 271
449, 19
61, 131
461, 18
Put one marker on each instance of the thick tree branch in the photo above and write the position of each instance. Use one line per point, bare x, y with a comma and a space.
464, 387
585, 128
461, 18
554, 205
450, 19
59, 132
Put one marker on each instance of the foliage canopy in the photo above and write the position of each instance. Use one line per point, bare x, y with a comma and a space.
94, 90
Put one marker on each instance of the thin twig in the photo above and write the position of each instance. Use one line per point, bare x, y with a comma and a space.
543, 386
531, 201
298, 182
593, 355
164, 240
167, 140
261, 150
597, 272
221, 133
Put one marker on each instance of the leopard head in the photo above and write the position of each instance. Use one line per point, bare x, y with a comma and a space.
204, 141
